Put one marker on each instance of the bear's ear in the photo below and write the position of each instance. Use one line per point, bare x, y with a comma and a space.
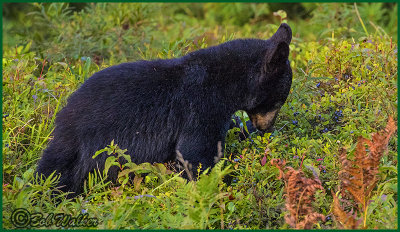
276, 58
283, 34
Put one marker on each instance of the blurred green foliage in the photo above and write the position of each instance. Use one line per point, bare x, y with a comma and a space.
344, 86
120, 31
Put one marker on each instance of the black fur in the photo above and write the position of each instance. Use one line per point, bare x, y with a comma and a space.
153, 108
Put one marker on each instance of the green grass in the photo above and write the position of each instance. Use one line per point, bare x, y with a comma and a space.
344, 86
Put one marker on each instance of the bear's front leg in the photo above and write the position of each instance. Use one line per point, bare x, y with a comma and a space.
195, 150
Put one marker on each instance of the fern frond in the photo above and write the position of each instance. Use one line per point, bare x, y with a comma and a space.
300, 192
359, 176
347, 220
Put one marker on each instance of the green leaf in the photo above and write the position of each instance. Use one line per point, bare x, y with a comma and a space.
99, 152
110, 161
231, 206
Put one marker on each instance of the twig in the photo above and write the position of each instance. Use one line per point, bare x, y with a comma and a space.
185, 164
44, 62
219, 156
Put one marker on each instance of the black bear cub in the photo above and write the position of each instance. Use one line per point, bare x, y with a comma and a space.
158, 109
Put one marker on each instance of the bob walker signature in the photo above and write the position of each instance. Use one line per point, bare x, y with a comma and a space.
22, 218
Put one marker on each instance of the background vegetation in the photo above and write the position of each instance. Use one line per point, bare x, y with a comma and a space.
344, 61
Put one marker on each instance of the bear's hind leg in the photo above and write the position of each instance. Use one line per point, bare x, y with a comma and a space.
60, 160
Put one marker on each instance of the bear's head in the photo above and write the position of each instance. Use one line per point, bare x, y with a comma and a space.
272, 86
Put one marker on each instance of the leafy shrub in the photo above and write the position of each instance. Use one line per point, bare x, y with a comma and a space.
344, 87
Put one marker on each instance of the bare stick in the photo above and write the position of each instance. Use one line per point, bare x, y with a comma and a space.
219, 156
185, 164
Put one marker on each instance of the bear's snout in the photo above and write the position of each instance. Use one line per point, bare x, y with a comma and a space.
264, 121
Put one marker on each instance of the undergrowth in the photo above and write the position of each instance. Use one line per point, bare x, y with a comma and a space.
334, 141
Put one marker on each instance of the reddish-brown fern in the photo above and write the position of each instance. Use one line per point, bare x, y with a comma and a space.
300, 192
359, 176
348, 220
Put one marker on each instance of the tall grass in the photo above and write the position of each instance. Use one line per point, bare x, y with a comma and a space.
344, 89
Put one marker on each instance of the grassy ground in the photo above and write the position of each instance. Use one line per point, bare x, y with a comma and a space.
344, 61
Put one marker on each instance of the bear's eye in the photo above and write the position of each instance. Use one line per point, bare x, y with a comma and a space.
278, 105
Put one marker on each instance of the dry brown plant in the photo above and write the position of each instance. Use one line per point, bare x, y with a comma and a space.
359, 176
299, 195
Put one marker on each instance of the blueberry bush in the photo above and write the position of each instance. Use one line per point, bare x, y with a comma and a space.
344, 61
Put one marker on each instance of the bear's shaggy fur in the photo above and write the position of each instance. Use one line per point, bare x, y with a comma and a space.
156, 108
